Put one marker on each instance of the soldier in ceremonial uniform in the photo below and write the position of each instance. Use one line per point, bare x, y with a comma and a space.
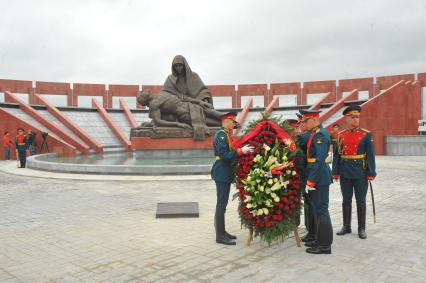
333, 135
294, 124
318, 181
309, 214
21, 145
354, 164
223, 174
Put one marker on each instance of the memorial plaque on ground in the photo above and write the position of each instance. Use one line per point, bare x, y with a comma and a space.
177, 209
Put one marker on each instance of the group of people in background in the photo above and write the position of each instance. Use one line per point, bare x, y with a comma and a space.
24, 145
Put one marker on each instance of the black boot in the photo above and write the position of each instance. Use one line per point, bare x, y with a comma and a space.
312, 228
313, 231
311, 244
232, 237
220, 231
347, 215
361, 211
325, 238
308, 238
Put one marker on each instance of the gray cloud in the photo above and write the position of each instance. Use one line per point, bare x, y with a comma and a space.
133, 42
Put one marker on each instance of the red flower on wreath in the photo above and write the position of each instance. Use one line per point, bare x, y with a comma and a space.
280, 187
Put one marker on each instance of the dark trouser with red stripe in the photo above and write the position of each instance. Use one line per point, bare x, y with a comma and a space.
349, 186
22, 157
222, 193
319, 199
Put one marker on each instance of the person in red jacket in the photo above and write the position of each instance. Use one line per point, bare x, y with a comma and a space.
7, 144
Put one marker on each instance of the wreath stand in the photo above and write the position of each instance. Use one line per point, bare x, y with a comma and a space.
295, 231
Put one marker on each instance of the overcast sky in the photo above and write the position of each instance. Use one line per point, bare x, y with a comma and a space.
226, 42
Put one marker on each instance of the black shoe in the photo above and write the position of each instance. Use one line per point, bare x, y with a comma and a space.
232, 237
225, 241
319, 250
308, 238
361, 211
311, 244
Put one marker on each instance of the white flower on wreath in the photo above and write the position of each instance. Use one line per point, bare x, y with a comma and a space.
287, 142
266, 147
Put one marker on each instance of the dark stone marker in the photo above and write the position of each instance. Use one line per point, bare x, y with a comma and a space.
177, 209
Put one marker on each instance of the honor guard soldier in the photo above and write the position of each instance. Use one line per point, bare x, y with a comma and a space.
333, 135
223, 173
308, 210
21, 145
318, 181
354, 164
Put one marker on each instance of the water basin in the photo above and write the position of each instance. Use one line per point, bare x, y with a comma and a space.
159, 162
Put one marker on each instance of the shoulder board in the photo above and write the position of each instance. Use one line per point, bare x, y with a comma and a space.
221, 133
364, 130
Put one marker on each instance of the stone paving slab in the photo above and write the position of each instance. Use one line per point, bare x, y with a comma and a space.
177, 209
77, 230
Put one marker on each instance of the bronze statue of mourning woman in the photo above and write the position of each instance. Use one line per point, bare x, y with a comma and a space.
184, 102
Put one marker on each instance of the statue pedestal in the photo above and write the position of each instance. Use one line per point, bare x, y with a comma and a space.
145, 138
141, 143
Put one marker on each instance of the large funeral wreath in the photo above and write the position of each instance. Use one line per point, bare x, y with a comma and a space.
268, 180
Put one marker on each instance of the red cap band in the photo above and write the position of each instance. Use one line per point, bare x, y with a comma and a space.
223, 117
310, 115
353, 112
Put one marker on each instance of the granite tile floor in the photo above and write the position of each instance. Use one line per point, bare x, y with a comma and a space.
77, 230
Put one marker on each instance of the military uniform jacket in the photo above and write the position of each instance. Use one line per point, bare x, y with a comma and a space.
302, 141
222, 170
354, 155
21, 143
318, 171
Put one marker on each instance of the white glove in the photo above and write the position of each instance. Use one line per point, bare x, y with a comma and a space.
307, 189
247, 149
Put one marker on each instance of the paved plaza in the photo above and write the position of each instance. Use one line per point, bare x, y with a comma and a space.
70, 229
